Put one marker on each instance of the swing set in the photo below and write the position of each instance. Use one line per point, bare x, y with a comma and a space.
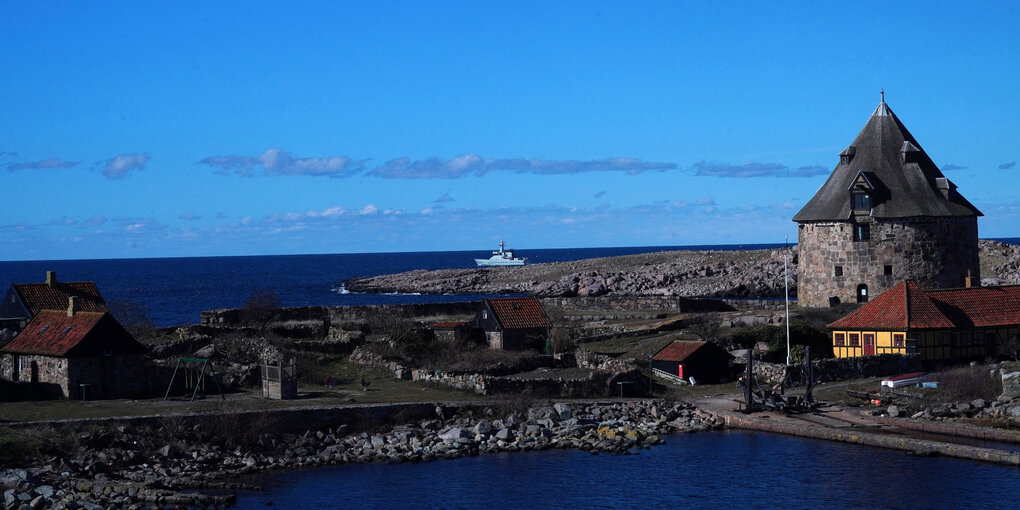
194, 376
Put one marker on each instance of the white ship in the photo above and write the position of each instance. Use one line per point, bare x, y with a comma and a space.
501, 258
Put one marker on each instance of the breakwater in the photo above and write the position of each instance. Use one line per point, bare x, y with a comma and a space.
152, 460
922, 447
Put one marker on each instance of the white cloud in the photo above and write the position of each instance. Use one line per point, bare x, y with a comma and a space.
276, 162
119, 166
369, 209
473, 164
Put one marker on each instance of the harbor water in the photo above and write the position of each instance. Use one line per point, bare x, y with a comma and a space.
710, 470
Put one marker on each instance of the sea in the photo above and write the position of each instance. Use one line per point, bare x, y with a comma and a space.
704, 470
175, 290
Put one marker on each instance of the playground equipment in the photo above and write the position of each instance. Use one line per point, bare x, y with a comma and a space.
193, 372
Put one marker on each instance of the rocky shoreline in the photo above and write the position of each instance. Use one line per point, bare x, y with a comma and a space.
124, 467
736, 274
743, 273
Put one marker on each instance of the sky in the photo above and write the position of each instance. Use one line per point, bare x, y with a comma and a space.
145, 129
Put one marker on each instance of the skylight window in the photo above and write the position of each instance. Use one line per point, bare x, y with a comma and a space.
44, 328
66, 330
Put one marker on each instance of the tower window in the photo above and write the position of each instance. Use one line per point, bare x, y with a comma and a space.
861, 201
862, 293
862, 232
887, 270
838, 271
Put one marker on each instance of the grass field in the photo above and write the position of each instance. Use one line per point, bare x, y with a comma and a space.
383, 388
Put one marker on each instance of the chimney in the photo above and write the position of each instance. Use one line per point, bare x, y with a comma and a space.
969, 280
51, 279
72, 306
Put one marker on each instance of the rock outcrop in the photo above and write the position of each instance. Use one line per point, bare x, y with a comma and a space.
749, 273
741, 274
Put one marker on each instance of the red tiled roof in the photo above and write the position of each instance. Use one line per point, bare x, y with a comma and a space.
677, 351
980, 306
53, 333
907, 306
518, 313
39, 296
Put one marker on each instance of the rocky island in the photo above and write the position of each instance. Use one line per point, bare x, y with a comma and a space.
741, 274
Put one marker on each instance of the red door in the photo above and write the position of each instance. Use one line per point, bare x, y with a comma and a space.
869, 344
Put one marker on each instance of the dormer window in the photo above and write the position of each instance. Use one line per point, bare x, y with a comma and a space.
861, 201
847, 155
861, 191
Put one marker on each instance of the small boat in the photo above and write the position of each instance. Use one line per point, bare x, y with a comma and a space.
501, 258
910, 379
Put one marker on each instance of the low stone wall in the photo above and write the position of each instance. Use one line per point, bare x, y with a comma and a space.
331, 314
588, 359
661, 303
839, 369
605, 372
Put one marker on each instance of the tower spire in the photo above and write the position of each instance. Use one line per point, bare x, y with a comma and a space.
882, 91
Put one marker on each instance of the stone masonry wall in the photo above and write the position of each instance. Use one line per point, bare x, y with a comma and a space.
934, 252
839, 369
51, 370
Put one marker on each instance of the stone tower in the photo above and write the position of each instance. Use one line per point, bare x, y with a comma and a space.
885, 214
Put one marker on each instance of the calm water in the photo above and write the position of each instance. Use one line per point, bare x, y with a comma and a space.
717, 470
175, 290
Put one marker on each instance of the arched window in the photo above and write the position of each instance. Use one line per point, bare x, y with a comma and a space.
862, 293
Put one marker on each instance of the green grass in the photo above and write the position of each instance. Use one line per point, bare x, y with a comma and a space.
383, 388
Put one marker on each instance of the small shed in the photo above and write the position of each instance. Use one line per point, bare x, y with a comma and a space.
513, 323
706, 362
78, 354
24, 300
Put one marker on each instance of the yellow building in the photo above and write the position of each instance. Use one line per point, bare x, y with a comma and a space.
943, 324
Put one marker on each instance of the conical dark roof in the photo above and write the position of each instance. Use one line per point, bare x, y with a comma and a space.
907, 183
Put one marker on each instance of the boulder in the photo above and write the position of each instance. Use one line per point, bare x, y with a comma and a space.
206, 352
483, 427
564, 411
454, 434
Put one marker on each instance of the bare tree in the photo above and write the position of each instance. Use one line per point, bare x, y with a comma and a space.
134, 317
705, 327
261, 307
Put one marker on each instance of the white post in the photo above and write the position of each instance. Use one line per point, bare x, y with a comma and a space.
786, 286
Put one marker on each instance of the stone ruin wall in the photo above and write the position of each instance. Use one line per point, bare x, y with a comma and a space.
934, 252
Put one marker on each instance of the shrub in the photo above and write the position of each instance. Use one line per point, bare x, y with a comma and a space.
801, 334
967, 383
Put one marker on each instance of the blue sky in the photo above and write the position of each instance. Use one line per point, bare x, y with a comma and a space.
145, 129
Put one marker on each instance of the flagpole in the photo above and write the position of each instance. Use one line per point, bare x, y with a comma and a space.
786, 286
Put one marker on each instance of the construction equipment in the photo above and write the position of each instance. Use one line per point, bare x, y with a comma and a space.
758, 398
